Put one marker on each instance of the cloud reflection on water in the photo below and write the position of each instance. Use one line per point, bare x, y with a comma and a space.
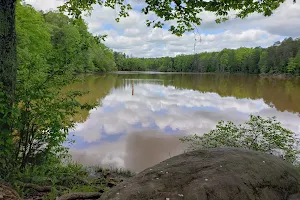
137, 131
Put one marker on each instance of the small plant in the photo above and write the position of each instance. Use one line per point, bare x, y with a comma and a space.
122, 172
112, 170
259, 134
86, 188
51, 195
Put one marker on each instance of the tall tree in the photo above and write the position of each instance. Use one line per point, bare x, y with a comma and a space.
8, 63
294, 65
224, 60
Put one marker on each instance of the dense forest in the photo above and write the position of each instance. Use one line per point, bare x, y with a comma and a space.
281, 58
53, 39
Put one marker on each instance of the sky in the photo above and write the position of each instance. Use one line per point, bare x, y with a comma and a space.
133, 37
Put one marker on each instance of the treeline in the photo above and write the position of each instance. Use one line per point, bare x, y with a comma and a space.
281, 58
55, 40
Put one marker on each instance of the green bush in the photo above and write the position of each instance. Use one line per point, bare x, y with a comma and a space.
259, 134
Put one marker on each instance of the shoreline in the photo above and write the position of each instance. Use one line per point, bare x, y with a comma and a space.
97, 181
276, 76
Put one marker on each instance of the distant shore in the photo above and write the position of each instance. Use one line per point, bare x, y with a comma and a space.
279, 76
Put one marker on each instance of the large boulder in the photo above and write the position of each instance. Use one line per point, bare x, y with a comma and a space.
7, 193
214, 174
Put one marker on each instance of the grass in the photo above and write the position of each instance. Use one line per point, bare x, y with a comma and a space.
66, 178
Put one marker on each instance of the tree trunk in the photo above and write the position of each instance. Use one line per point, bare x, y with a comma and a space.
8, 60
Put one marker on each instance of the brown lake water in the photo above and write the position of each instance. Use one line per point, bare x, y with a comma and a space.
140, 117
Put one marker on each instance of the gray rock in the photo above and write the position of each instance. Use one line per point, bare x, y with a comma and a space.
294, 197
214, 174
7, 193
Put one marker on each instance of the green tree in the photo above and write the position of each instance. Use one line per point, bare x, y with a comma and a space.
42, 111
224, 60
119, 58
263, 62
185, 13
8, 71
253, 61
294, 65
284, 52
259, 134
74, 46
33, 48
273, 59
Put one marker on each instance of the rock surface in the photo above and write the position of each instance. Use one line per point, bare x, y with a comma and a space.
214, 174
7, 193
80, 195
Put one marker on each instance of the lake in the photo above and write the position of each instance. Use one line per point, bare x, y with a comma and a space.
141, 116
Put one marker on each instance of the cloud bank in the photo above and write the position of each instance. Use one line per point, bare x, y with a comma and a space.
132, 37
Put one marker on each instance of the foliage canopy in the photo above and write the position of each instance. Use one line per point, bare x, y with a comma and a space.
184, 12
280, 58
52, 49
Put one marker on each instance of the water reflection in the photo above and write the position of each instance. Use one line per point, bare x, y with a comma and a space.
135, 151
137, 131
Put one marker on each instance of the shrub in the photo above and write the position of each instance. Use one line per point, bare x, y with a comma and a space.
259, 134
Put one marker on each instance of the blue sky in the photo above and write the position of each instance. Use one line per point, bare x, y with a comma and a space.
132, 36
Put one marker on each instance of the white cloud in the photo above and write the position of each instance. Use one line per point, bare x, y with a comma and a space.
45, 5
284, 21
132, 36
